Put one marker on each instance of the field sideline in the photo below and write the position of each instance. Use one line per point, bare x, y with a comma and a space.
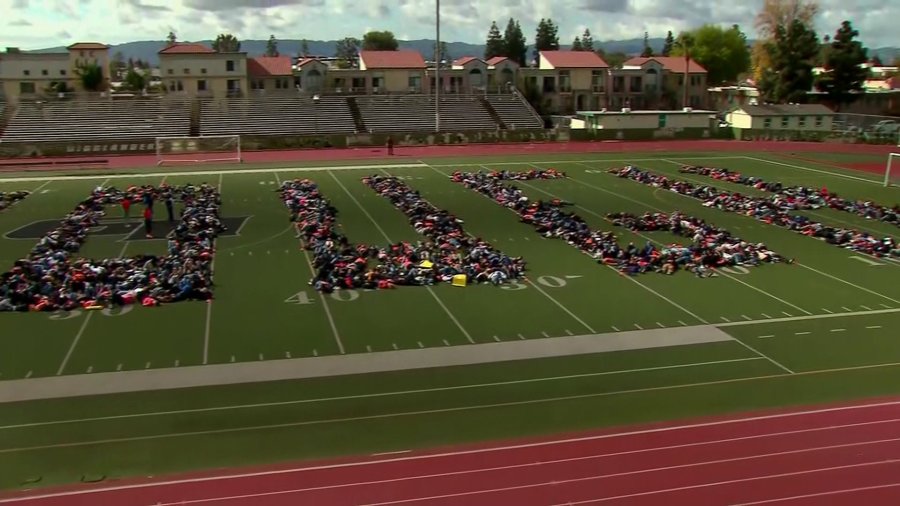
820, 330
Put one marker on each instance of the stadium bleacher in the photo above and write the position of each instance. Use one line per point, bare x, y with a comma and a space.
515, 114
272, 115
381, 113
97, 121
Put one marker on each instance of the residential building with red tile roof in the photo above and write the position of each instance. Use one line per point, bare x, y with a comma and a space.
270, 73
193, 69
391, 60
31, 75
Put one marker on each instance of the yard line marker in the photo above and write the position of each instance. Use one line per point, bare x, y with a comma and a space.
746, 317
28, 374
369, 348
147, 365
873, 292
785, 313
638, 327
682, 323
470, 386
615, 328
763, 355
726, 320
65, 361
90, 369
261, 356
496, 339
545, 334
527, 239
813, 317
765, 337
287, 354
569, 332
827, 311
119, 367
802, 333
867, 308
177, 362
394, 345
446, 343
838, 330
874, 327
421, 345
765, 315
886, 306
521, 336
845, 308
808, 169
232, 358
315, 353
660, 325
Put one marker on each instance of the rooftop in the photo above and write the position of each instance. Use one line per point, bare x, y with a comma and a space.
671, 63
464, 60
186, 48
88, 45
497, 59
263, 66
785, 109
403, 59
574, 59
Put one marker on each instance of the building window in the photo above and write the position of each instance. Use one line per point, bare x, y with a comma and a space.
202, 71
549, 84
257, 84
201, 85
819, 121
565, 81
767, 123
360, 82
229, 66
27, 72
170, 71
26, 87
62, 72
415, 81
680, 79
637, 83
618, 84
44, 72
801, 122
186, 71
597, 80
785, 121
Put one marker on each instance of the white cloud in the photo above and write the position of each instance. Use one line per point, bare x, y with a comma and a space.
461, 20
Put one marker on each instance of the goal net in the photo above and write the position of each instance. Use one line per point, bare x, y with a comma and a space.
203, 149
892, 171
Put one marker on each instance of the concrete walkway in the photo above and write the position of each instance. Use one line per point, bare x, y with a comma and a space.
359, 363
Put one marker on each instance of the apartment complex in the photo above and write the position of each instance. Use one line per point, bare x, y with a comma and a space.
26, 75
197, 70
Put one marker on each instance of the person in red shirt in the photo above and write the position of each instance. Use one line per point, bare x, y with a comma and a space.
148, 222
126, 206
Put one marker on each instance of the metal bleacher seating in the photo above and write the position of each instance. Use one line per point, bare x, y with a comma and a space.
411, 113
97, 120
276, 115
515, 113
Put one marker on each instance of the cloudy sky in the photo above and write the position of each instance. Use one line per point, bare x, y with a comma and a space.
33, 24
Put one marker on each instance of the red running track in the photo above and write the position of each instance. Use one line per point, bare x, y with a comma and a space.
847, 454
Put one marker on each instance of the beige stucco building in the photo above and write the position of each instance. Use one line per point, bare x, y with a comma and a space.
197, 70
26, 75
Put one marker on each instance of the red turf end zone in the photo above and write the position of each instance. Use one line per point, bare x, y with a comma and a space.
840, 454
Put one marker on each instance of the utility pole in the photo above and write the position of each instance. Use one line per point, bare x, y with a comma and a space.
437, 66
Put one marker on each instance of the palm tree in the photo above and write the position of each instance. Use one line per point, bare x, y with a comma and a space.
686, 42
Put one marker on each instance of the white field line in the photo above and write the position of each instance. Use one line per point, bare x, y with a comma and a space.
873, 292
808, 169
312, 272
811, 317
374, 395
326, 168
384, 234
524, 465
65, 360
528, 280
413, 458
209, 303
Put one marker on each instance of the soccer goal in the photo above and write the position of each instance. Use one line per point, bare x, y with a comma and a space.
203, 149
892, 171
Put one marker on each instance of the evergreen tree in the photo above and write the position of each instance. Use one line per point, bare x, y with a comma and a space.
792, 51
547, 37
669, 44
171, 38
876, 61
494, 44
272, 46
587, 40
648, 51
577, 45
514, 42
304, 48
844, 76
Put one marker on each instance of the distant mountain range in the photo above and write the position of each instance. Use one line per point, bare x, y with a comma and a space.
147, 50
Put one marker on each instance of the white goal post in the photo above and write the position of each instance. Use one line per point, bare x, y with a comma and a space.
893, 164
202, 149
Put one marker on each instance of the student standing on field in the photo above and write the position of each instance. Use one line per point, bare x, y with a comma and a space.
390, 145
148, 222
169, 207
126, 207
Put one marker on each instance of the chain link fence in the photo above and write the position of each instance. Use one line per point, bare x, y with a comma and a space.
867, 128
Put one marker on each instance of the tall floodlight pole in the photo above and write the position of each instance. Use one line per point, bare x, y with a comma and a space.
437, 66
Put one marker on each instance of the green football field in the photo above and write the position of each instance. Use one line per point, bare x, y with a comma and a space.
822, 328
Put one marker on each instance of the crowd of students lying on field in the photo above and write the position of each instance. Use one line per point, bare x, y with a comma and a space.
448, 250
801, 197
53, 276
9, 198
710, 246
767, 210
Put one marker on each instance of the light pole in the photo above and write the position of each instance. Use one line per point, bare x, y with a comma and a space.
437, 66
316, 113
